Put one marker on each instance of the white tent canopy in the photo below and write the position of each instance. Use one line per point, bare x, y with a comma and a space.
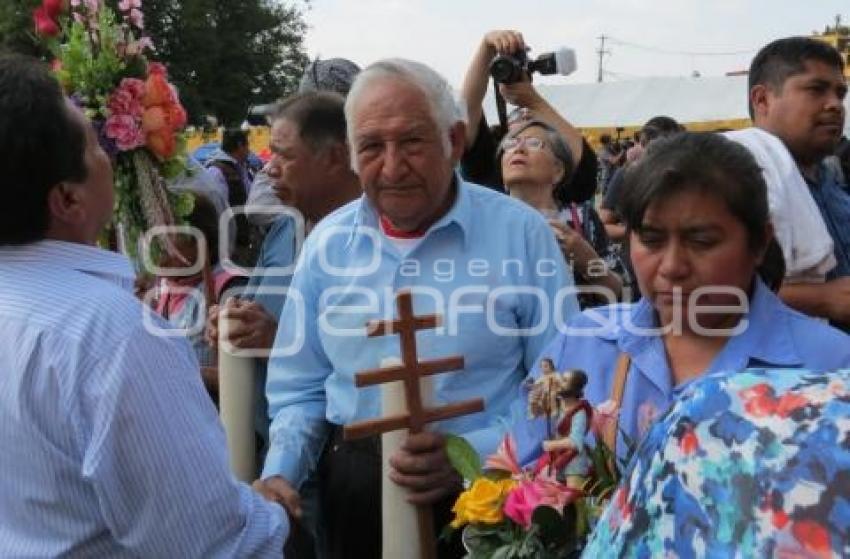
633, 102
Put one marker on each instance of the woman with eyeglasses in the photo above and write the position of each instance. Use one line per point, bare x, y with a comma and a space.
536, 166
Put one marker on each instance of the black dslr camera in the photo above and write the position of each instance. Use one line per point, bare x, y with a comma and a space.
510, 68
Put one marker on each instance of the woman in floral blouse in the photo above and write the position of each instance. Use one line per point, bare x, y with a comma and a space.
696, 212
755, 464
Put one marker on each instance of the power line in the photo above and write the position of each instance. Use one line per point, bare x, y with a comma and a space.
675, 52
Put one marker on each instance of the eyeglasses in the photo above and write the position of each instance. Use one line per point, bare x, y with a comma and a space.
530, 142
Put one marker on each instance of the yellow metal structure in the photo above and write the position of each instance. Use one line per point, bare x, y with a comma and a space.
258, 137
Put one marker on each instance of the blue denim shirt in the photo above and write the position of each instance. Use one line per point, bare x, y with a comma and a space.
775, 336
833, 200
490, 262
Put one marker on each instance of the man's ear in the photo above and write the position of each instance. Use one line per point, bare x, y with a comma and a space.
457, 141
66, 206
760, 97
336, 157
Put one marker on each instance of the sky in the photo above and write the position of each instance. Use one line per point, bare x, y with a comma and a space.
445, 33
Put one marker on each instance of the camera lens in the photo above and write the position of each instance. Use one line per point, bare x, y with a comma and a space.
506, 69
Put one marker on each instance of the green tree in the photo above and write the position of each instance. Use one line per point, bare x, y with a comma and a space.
17, 31
225, 56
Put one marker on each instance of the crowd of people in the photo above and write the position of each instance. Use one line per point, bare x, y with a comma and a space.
711, 254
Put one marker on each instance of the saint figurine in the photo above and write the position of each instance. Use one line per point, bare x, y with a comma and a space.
543, 392
567, 452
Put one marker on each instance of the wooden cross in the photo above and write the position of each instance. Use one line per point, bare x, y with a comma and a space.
410, 371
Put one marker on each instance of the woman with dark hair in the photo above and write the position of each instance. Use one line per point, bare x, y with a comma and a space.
536, 167
695, 209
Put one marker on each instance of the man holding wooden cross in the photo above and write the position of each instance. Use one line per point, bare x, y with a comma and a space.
485, 263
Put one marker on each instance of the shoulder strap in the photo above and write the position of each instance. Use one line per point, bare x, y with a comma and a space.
617, 389
577, 224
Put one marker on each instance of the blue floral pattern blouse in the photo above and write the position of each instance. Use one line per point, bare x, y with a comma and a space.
755, 464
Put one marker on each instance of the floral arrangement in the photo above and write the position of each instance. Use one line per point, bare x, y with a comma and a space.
101, 62
514, 512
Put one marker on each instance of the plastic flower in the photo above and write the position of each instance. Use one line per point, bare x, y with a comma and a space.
528, 495
123, 129
157, 68
45, 25
53, 8
177, 116
162, 143
604, 415
155, 119
157, 91
127, 5
126, 99
505, 458
481, 503
137, 18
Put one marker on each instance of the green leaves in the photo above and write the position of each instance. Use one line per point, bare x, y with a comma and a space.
551, 526
463, 457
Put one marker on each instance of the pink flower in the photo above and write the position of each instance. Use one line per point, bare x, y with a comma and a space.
135, 86
124, 130
528, 495
120, 102
604, 416
53, 8
127, 98
138, 47
137, 18
45, 25
126, 5
505, 458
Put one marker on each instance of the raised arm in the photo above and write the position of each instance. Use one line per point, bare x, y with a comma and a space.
477, 75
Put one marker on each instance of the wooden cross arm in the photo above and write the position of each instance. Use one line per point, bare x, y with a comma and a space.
386, 327
457, 409
389, 374
371, 427
395, 422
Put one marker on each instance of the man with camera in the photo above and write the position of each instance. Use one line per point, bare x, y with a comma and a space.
503, 54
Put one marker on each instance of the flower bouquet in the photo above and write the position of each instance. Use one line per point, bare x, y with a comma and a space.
101, 62
513, 512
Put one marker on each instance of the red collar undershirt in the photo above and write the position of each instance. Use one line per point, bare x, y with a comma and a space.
390, 231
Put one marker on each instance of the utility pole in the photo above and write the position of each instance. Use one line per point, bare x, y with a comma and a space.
602, 52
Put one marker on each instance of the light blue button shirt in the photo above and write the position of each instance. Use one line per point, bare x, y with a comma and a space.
489, 256
776, 336
111, 446
267, 286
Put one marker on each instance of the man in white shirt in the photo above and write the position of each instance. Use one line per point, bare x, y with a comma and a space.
111, 447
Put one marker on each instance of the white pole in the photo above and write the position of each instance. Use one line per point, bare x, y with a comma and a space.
236, 405
400, 533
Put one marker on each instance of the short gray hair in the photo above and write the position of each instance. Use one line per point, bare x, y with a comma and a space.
445, 108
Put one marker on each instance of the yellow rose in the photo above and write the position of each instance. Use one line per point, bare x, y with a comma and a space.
482, 502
